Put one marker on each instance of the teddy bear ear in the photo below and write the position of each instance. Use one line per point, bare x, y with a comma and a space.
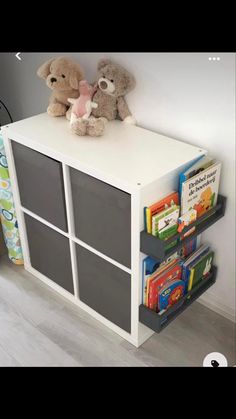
76, 76
130, 80
44, 70
103, 62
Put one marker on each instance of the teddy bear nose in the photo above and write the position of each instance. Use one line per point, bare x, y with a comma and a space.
53, 79
103, 84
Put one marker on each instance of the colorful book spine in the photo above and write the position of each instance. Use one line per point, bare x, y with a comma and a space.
149, 266
149, 220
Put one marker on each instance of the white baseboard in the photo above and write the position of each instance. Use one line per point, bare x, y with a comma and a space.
211, 302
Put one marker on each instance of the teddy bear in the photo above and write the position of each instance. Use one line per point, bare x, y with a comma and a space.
113, 83
82, 107
62, 76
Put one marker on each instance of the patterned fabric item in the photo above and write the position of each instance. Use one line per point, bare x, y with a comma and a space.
7, 211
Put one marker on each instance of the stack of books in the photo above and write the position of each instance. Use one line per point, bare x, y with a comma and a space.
198, 192
166, 283
156, 281
197, 266
161, 218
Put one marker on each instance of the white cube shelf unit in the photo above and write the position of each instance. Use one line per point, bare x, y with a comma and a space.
79, 203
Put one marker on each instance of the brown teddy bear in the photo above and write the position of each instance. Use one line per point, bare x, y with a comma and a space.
113, 83
62, 76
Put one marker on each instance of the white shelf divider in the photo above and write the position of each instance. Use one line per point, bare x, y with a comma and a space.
101, 255
43, 221
71, 226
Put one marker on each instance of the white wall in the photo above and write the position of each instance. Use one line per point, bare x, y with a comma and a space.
185, 96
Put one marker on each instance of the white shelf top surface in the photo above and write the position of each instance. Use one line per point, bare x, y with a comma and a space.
126, 155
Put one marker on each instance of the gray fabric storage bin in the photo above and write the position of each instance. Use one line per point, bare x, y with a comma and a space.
102, 216
104, 287
41, 186
49, 253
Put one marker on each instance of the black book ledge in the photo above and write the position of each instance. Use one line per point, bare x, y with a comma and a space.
158, 322
153, 246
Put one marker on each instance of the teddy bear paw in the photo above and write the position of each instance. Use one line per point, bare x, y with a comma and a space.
79, 127
130, 120
96, 127
56, 109
105, 120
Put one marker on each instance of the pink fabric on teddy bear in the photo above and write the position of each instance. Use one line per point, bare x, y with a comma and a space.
83, 105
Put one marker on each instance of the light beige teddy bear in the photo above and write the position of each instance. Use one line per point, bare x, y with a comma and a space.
113, 83
62, 77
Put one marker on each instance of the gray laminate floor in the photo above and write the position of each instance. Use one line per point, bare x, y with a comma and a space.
39, 328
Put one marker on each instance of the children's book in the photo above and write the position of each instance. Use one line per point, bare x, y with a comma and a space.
193, 258
164, 224
154, 275
171, 199
150, 265
169, 259
186, 219
182, 253
168, 275
188, 248
170, 294
183, 177
200, 269
167, 225
200, 192
199, 166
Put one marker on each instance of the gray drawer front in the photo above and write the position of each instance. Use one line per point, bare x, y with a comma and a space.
102, 216
105, 288
49, 253
40, 182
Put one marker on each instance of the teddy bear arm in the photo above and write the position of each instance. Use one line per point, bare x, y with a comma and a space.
55, 107
53, 99
123, 108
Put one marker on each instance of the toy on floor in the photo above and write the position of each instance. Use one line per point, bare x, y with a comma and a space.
83, 105
113, 83
62, 76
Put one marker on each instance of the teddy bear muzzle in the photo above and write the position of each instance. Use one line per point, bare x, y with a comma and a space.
57, 82
106, 85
